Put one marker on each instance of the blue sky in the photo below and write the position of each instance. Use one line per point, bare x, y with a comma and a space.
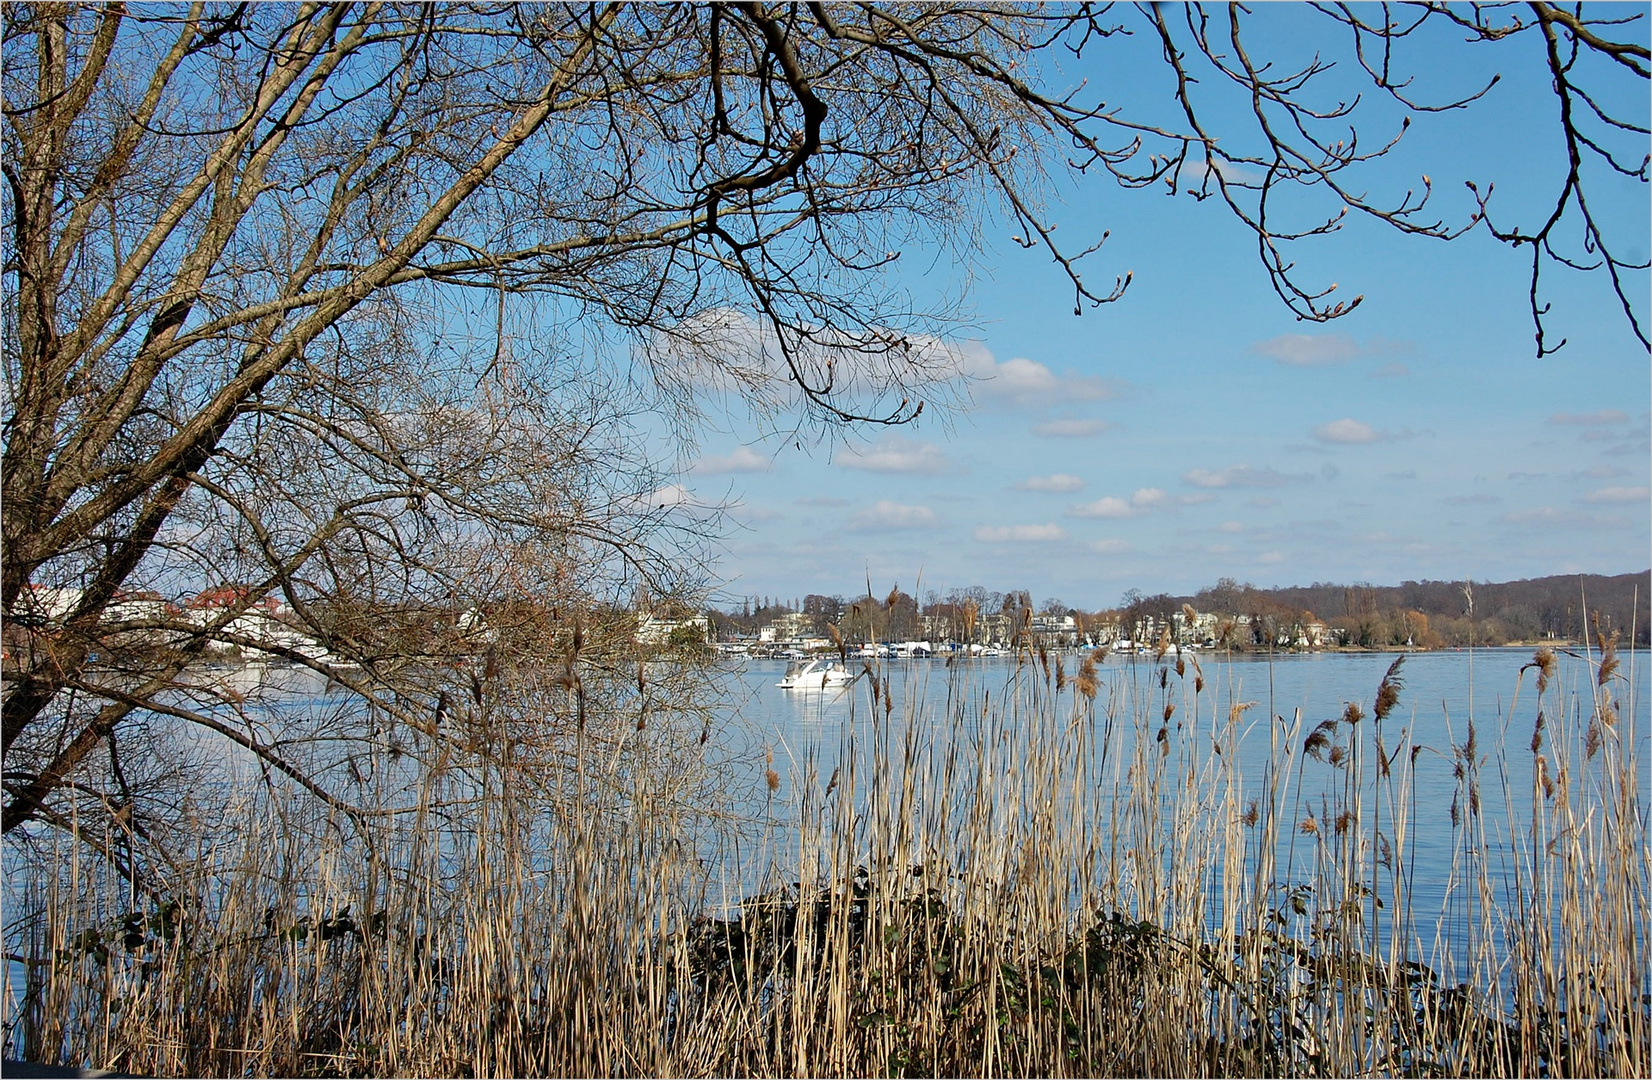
1196, 430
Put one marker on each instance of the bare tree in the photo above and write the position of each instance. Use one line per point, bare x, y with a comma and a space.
361, 309
1591, 62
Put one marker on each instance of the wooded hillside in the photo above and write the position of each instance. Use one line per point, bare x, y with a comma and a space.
1561, 606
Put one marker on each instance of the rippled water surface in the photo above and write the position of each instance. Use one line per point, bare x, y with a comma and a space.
1443, 694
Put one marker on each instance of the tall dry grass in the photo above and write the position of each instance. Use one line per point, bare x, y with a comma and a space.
1067, 874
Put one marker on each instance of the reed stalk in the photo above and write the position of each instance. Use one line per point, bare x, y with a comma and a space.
1041, 876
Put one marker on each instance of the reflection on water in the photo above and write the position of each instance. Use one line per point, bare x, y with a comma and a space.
927, 703
921, 710
268, 685
1446, 697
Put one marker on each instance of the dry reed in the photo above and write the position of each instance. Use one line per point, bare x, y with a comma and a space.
1040, 878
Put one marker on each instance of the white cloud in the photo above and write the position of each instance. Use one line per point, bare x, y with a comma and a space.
1600, 434
1021, 382
743, 459
1618, 495
713, 350
1143, 500
731, 354
1231, 527
1107, 507
1059, 483
1478, 499
1019, 534
1548, 515
1347, 430
1192, 173
1308, 350
1241, 476
1270, 558
1109, 547
1320, 350
895, 454
1392, 370
1594, 419
671, 496
1070, 428
887, 516
752, 515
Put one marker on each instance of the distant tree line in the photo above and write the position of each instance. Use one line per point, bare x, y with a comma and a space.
1425, 614
1457, 613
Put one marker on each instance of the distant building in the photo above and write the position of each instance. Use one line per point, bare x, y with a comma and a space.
937, 627
657, 632
139, 607
1054, 624
1104, 631
51, 604
227, 596
263, 629
1200, 630
790, 627
993, 629
1147, 630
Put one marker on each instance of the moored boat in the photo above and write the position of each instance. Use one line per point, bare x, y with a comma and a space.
815, 675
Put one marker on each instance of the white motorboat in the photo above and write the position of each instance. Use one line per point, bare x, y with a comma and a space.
815, 675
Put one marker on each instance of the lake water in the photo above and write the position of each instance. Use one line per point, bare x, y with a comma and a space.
1443, 694
814, 732
806, 735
